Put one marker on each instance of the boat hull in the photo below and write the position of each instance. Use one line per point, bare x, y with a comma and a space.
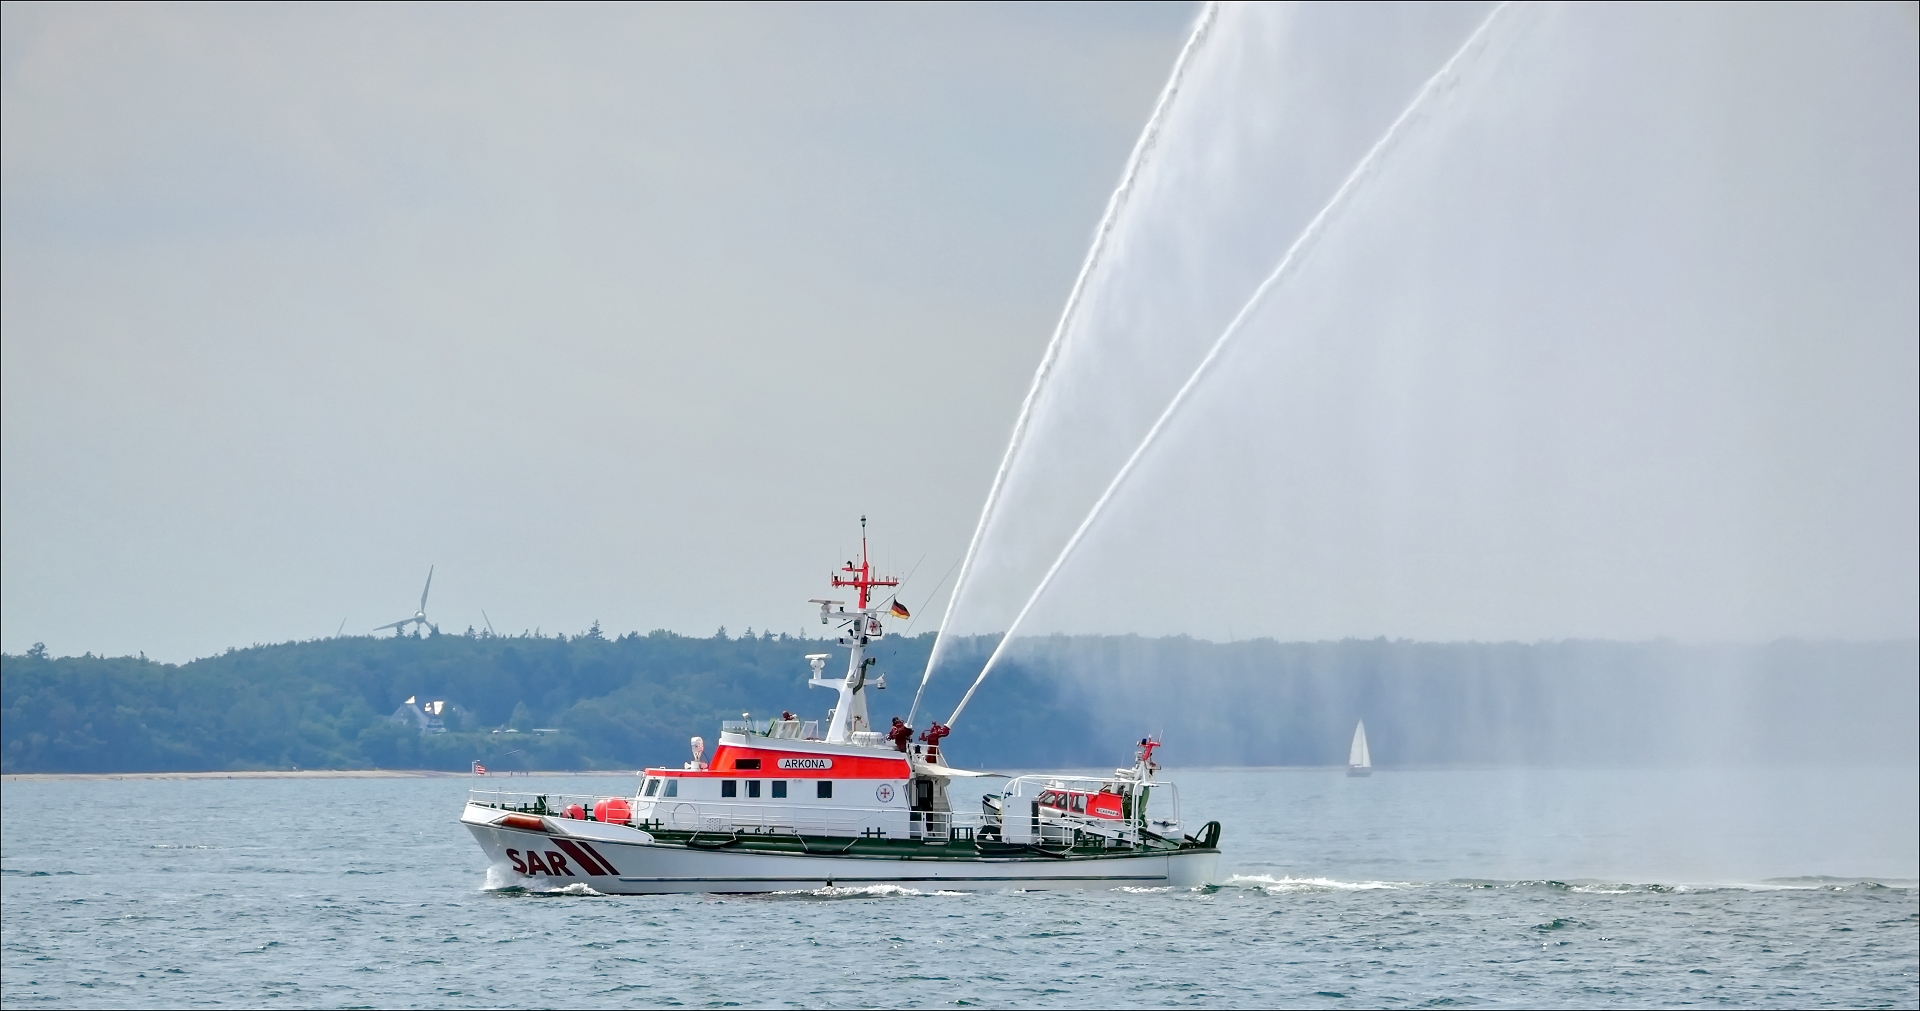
622, 861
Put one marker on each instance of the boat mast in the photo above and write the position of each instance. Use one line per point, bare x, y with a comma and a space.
863, 577
851, 714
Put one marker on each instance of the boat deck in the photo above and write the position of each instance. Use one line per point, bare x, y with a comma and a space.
950, 843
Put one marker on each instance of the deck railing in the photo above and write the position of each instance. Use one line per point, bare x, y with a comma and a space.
807, 730
1162, 816
843, 822
553, 805
940, 826
788, 730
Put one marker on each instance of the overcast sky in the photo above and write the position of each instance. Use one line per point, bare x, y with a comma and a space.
629, 314
623, 314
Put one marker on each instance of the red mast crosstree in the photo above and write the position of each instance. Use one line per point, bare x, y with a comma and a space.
863, 577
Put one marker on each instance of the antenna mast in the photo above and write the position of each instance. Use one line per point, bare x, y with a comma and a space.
863, 578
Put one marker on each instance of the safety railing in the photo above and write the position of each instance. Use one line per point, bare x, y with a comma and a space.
788, 730
1055, 808
944, 826
582, 806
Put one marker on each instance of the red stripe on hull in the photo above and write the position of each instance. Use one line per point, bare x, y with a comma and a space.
604, 862
587, 863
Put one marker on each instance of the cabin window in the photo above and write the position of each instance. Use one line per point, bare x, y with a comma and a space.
1080, 802
746, 764
823, 789
652, 787
753, 788
779, 789
729, 788
672, 790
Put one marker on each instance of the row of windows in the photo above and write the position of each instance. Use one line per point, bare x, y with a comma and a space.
822, 788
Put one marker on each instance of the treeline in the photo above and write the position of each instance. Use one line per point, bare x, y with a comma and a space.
616, 702
634, 700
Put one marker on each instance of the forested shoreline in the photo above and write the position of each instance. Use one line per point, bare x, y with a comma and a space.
612, 702
631, 700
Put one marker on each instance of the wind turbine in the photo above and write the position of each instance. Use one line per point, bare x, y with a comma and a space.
419, 616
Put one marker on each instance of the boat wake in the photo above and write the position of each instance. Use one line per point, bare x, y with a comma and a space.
1592, 887
1287, 884
1282, 885
577, 888
501, 879
856, 892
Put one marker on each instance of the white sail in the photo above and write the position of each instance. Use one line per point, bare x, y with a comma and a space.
1357, 758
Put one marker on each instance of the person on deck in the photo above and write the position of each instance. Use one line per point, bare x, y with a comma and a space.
900, 734
932, 737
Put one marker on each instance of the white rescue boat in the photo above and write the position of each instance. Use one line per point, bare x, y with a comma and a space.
783, 806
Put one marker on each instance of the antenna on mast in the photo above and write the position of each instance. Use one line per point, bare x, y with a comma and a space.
862, 575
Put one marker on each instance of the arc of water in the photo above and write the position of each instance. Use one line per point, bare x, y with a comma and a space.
1102, 233
909, 629
1308, 237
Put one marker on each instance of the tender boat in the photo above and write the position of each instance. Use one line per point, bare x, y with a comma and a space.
783, 806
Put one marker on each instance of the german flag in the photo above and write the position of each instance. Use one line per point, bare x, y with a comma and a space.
898, 609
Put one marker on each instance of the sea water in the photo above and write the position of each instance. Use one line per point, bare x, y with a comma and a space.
1407, 888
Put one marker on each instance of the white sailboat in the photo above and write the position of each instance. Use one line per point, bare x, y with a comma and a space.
1359, 762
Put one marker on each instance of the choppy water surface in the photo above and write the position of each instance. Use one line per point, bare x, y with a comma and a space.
1409, 888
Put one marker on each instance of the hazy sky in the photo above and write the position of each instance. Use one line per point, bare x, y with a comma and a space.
628, 314
610, 313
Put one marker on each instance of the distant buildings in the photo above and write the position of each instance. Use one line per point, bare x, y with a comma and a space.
429, 717
426, 716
